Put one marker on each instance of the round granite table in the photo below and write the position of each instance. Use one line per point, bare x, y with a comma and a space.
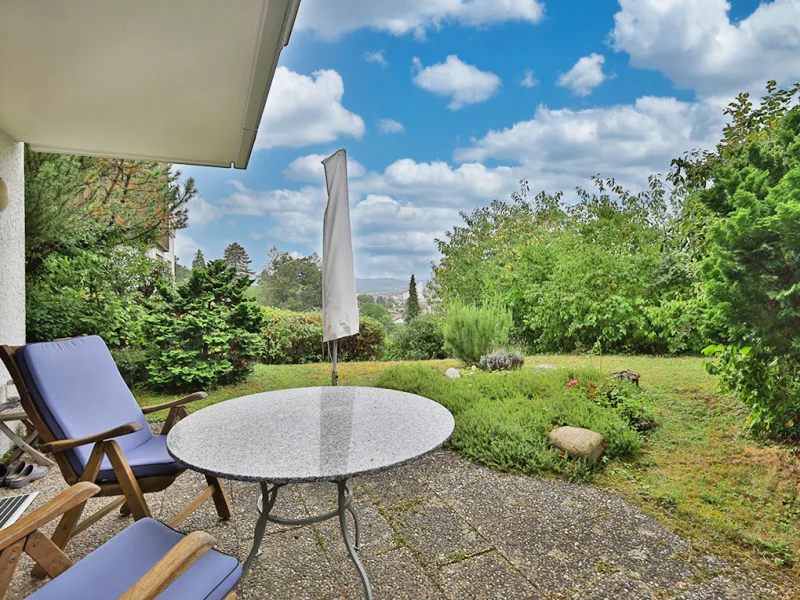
310, 434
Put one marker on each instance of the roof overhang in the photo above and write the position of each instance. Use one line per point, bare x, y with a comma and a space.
181, 81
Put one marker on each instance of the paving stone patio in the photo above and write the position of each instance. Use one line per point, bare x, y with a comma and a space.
444, 528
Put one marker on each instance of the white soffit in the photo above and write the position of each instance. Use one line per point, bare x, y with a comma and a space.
181, 81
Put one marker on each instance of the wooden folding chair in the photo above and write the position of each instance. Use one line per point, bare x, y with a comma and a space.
87, 417
147, 560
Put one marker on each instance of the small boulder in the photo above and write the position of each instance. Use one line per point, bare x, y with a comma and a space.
579, 442
452, 373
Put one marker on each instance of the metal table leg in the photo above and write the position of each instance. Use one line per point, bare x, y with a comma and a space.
344, 505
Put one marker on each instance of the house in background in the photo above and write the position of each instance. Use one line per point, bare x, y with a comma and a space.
184, 81
165, 247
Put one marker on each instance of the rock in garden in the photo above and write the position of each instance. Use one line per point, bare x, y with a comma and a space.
578, 442
627, 375
452, 373
546, 367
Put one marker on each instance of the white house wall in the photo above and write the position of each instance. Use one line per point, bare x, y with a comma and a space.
12, 256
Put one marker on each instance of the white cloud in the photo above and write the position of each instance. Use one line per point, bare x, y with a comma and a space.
376, 57
329, 20
303, 110
201, 212
438, 183
309, 168
696, 44
586, 75
529, 81
390, 126
185, 248
560, 148
465, 84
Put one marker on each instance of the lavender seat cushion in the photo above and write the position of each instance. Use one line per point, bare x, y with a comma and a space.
109, 571
78, 391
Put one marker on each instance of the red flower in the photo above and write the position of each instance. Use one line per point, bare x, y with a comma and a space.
572, 383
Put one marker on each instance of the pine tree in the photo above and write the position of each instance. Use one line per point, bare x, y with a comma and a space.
199, 261
236, 256
412, 304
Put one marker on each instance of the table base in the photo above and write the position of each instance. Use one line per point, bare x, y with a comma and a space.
269, 494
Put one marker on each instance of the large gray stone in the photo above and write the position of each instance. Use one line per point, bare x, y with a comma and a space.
452, 373
578, 442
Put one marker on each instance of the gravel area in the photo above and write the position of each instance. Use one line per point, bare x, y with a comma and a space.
444, 528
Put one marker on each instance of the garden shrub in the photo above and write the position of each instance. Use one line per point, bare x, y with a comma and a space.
502, 360
632, 402
132, 365
503, 421
422, 339
751, 275
292, 338
470, 331
205, 332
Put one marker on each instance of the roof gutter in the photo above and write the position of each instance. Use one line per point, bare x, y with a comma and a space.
277, 24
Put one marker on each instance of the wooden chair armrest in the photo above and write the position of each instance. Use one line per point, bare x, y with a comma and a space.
62, 445
174, 563
66, 500
185, 400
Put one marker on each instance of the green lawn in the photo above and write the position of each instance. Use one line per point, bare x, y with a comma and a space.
698, 472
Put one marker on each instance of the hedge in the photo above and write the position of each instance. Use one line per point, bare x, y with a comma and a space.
296, 338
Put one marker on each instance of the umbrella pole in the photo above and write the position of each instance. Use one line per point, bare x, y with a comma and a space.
334, 374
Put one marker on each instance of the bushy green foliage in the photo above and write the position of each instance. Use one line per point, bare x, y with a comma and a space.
132, 365
609, 272
205, 332
367, 307
292, 338
632, 402
502, 360
422, 339
502, 420
751, 271
94, 293
470, 331
291, 283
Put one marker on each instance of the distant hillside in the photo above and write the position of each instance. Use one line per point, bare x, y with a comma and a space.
374, 286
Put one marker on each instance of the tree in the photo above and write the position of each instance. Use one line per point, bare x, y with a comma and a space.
199, 261
181, 272
236, 257
368, 308
204, 332
293, 283
751, 271
412, 304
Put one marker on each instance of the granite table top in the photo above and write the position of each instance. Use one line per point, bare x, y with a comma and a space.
310, 434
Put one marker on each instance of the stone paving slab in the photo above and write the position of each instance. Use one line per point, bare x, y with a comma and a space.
444, 529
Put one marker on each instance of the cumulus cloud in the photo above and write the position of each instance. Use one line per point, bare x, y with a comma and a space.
329, 20
698, 46
303, 110
390, 126
528, 81
463, 83
586, 75
376, 57
559, 148
309, 168
185, 247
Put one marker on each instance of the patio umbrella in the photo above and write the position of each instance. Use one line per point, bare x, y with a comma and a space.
339, 299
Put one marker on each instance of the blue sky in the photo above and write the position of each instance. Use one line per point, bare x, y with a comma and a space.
443, 105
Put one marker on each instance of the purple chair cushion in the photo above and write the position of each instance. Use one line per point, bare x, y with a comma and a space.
148, 460
109, 571
78, 390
